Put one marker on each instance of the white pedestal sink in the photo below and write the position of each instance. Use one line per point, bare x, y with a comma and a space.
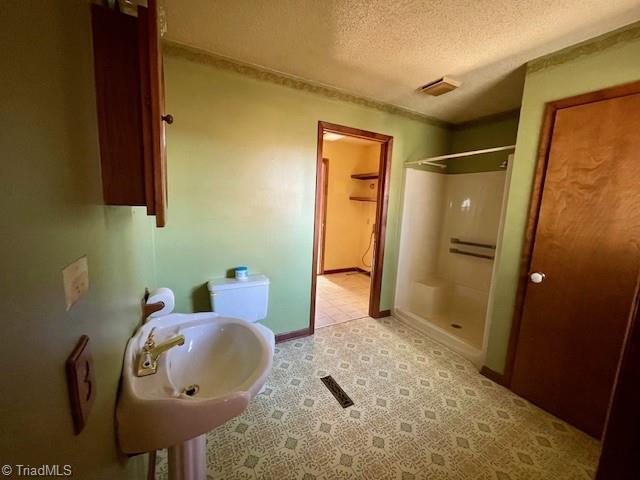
198, 386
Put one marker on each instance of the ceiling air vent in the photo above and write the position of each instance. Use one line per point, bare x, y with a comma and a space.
439, 87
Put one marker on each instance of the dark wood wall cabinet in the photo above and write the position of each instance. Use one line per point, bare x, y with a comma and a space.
130, 105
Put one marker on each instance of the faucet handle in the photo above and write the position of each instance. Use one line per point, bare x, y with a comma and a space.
150, 343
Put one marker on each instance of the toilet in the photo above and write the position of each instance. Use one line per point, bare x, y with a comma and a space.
243, 299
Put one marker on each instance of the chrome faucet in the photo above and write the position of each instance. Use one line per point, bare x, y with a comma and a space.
148, 357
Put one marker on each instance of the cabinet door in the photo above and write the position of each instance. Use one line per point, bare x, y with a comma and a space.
154, 119
117, 64
130, 104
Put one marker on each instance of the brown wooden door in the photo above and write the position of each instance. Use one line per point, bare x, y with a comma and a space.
587, 245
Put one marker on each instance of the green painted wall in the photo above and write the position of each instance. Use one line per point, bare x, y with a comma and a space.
51, 214
606, 61
496, 131
241, 169
493, 132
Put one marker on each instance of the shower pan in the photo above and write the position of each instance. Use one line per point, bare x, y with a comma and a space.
450, 234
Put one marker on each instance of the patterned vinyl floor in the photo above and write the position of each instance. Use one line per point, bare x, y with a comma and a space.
421, 412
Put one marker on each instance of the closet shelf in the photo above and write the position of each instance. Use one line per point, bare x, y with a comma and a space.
365, 176
363, 199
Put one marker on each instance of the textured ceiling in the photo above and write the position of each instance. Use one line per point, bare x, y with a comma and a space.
384, 50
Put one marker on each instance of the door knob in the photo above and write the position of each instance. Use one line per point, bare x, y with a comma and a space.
536, 277
167, 118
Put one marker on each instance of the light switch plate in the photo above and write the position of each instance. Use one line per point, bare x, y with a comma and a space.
82, 383
75, 278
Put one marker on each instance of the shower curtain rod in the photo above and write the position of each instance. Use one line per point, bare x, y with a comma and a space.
431, 160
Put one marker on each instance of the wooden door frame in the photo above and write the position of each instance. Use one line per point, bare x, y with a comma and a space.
382, 201
323, 206
621, 438
534, 210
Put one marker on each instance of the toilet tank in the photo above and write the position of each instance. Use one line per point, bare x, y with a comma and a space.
243, 299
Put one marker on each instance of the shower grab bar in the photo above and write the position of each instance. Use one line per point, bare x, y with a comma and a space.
471, 254
472, 244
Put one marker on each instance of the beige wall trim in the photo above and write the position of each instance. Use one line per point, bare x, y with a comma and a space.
260, 73
588, 47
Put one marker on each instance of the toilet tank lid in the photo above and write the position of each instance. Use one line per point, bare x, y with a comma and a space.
220, 284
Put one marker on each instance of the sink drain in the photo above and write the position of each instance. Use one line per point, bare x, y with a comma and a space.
191, 390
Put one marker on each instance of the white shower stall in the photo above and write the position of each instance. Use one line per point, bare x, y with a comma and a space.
450, 233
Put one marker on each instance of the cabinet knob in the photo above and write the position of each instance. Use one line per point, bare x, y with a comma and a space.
167, 118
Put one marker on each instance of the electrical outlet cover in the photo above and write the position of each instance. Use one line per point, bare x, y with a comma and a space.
75, 278
82, 383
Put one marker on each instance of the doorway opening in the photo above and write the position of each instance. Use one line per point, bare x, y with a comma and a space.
352, 181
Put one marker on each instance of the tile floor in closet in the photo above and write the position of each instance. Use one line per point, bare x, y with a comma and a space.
341, 297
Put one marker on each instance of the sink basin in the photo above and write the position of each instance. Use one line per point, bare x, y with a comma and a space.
198, 386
